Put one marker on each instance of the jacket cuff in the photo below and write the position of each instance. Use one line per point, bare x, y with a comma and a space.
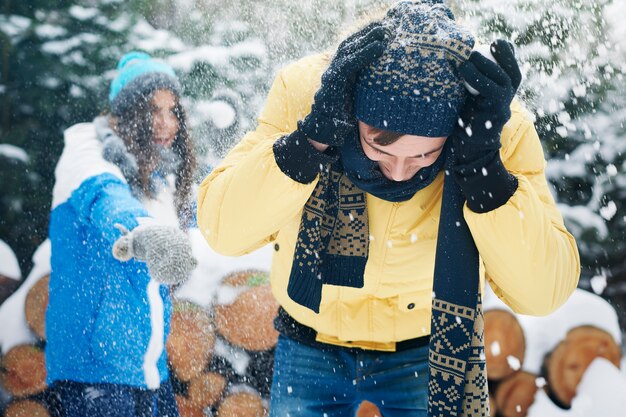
298, 159
486, 185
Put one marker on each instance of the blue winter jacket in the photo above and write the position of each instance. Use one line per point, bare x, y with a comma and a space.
107, 321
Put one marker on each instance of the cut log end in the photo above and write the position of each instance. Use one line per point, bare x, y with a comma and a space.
187, 409
190, 342
242, 404
206, 389
568, 362
36, 306
26, 408
248, 322
515, 394
23, 371
504, 344
368, 409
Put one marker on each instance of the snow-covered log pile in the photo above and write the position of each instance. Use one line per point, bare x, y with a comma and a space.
221, 355
222, 341
564, 364
22, 344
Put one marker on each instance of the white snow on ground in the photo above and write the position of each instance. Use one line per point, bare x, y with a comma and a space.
14, 329
544, 407
9, 266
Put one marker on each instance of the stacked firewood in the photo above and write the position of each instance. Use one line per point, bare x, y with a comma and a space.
511, 390
23, 367
222, 357
528, 357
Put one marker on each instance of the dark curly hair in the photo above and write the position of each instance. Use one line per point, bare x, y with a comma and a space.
135, 129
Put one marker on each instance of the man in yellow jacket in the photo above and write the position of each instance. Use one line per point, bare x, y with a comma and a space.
389, 193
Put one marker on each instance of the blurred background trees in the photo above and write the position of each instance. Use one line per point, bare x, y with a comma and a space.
574, 68
574, 63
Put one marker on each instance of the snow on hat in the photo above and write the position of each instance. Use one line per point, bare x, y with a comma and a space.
139, 75
8, 263
414, 87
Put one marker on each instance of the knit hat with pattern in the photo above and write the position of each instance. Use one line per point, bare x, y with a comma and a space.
414, 87
138, 76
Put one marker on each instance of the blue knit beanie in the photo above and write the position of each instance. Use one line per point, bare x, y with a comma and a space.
138, 76
414, 87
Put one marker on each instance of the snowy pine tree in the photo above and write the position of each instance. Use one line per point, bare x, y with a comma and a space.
52, 52
573, 84
225, 77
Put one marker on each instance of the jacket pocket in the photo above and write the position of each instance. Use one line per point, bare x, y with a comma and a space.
413, 314
414, 301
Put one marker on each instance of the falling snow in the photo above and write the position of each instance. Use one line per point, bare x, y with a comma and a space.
573, 87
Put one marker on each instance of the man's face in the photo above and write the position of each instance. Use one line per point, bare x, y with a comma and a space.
402, 159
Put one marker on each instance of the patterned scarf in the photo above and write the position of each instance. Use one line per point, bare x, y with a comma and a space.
332, 248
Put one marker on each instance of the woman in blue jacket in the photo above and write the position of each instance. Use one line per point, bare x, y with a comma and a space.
120, 198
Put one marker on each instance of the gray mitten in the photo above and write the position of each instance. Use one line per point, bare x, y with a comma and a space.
165, 249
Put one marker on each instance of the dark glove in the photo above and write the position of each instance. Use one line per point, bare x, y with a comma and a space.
479, 171
484, 115
332, 116
165, 249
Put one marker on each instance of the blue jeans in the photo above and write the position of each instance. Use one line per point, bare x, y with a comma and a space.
313, 382
111, 400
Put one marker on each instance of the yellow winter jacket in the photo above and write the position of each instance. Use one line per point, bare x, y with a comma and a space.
526, 253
